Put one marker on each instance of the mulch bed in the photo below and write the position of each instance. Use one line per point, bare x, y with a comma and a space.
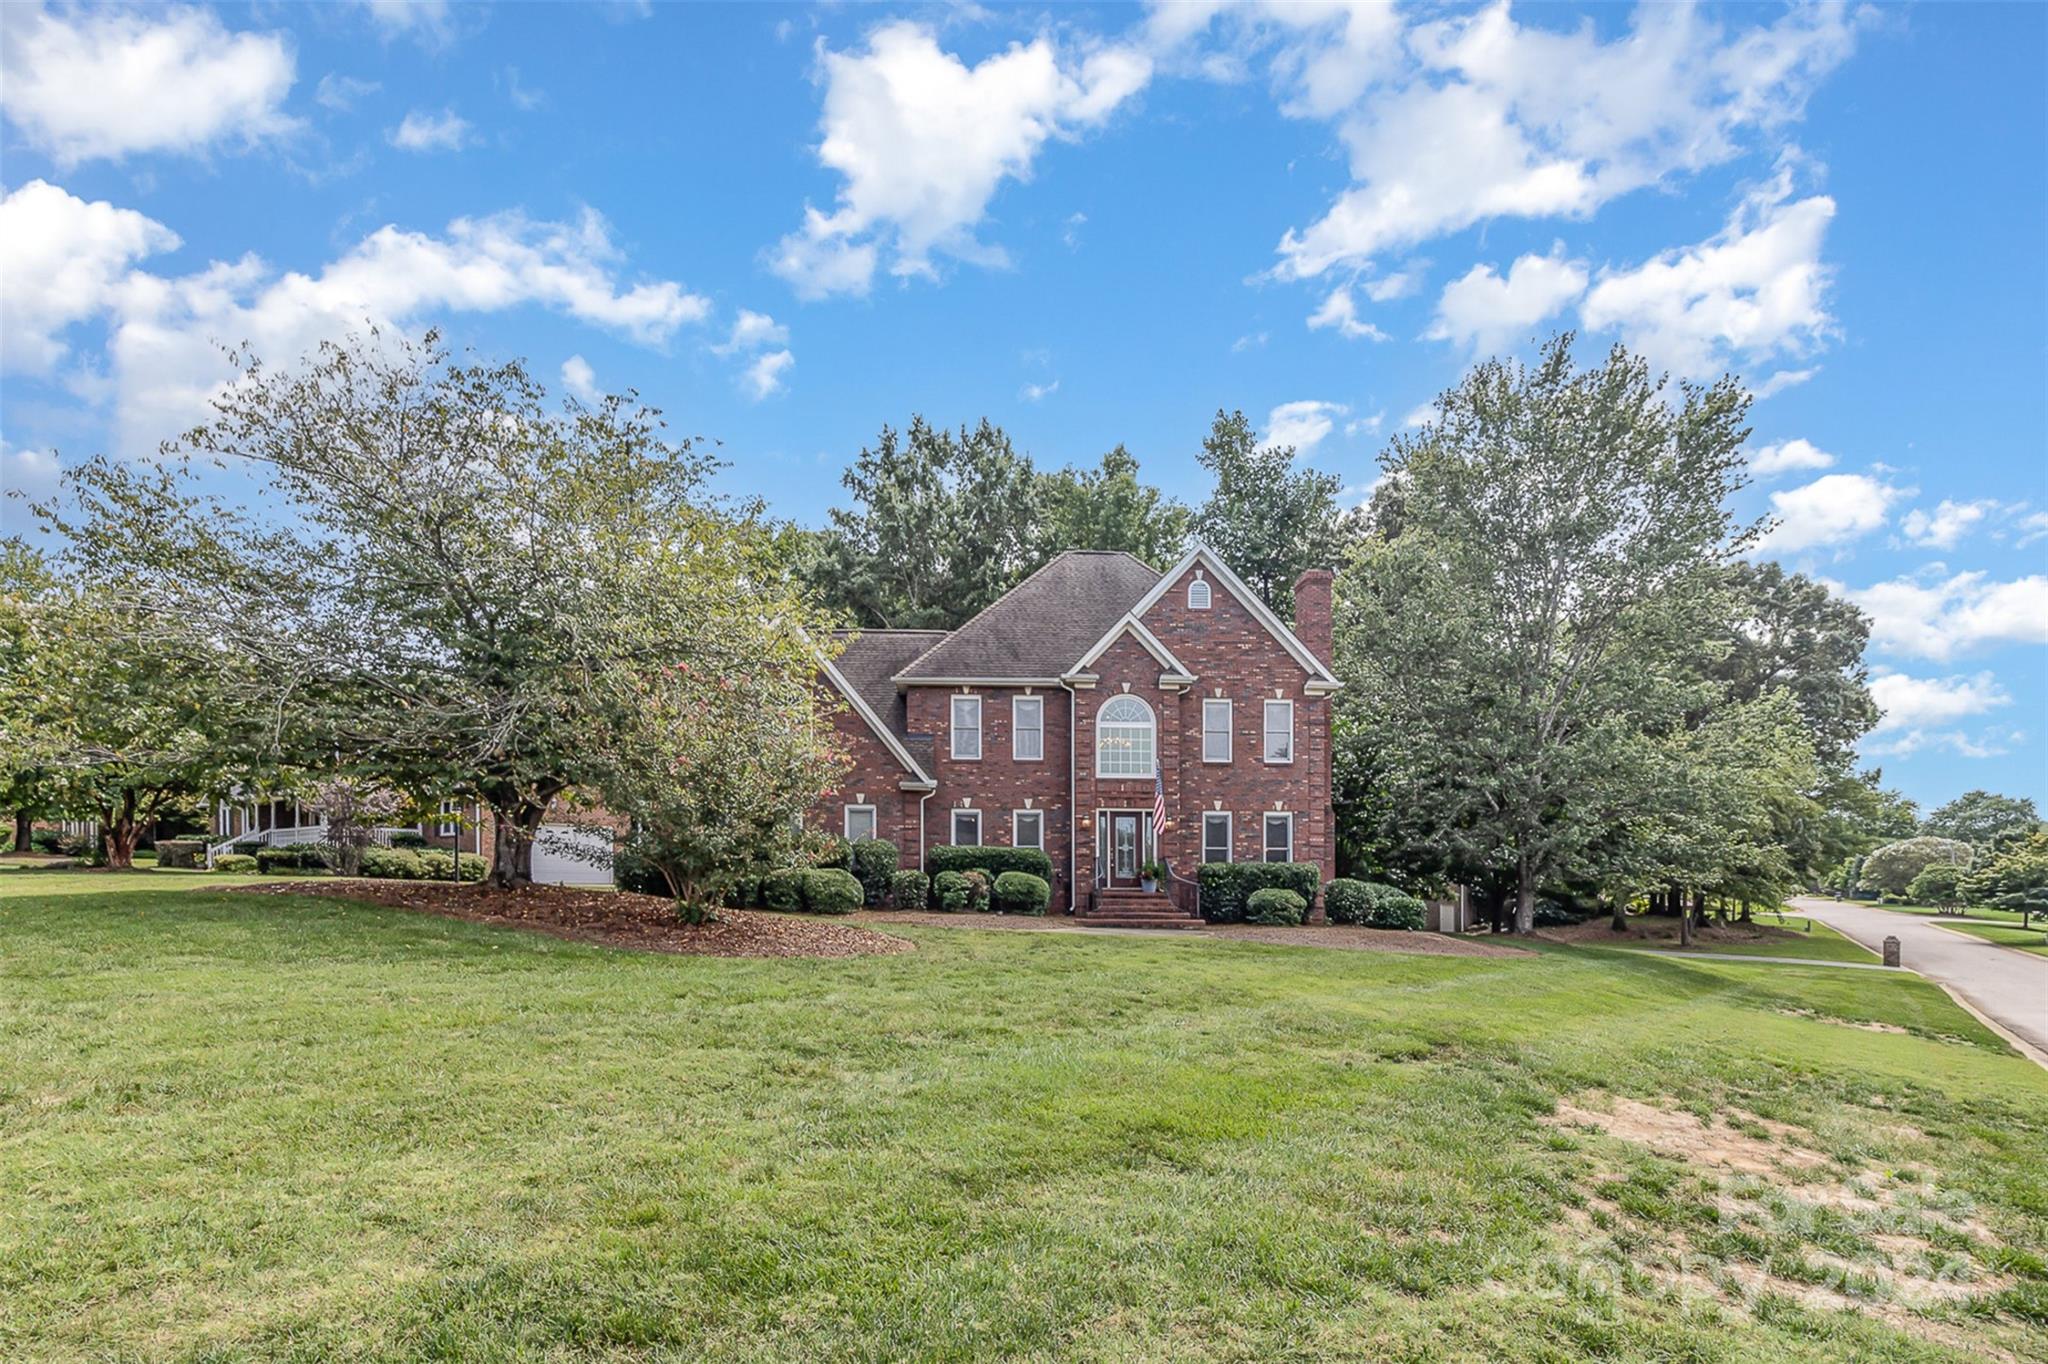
1304, 935
642, 923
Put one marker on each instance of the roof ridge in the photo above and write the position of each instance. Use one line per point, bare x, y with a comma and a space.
986, 609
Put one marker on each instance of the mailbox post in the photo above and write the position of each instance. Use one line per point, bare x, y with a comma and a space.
1891, 951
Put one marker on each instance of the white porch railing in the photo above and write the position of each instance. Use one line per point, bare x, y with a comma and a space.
290, 836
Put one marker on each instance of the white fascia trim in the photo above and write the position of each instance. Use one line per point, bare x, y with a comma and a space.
917, 784
1161, 655
874, 722
1319, 688
902, 681
1201, 554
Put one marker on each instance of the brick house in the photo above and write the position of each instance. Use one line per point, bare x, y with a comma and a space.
1047, 719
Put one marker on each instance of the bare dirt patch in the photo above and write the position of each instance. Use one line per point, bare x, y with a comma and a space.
642, 923
1303, 935
1867, 1025
1676, 1133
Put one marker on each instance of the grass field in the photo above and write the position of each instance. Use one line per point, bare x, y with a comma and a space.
2033, 940
1815, 942
287, 1128
2003, 916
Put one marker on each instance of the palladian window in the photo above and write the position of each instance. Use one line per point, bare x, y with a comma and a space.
1123, 738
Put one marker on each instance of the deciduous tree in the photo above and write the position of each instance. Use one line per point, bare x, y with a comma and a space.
1268, 518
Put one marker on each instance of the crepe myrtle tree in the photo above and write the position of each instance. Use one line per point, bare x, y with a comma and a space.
439, 563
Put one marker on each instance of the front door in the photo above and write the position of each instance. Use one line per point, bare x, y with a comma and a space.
1123, 858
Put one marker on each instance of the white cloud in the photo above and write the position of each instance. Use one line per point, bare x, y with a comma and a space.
423, 131
85, 84
1755, 290
751, 331
1929, 616
32, 474
1341, 312
1831, 510
923, 142
1946, 524
2033, 526
340, 93
428, 22
1249, 341
1033, 393
1782, 457
580, 379
764, 376
1782, 380
62, 259
1474, 117
1420, 416
1367, 425
1302, 424
1387, 288
1488, 313
1917, 702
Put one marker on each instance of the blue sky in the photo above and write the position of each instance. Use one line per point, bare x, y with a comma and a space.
789, 225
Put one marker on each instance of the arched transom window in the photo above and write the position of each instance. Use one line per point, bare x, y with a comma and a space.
1123, 738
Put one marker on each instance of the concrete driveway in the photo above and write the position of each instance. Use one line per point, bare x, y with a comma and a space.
2009, 989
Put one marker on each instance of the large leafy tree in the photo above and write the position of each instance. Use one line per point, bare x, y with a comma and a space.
2016, 878
1269, 518
942, 523
1526, 637
1891, 869
1791, 634
448, 563
1108, 507
1983, 820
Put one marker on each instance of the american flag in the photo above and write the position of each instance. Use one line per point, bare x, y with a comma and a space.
1158, 804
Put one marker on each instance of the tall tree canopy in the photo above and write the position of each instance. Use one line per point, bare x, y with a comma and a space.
1983, 820
1269, 519
1521, 646
1109, 507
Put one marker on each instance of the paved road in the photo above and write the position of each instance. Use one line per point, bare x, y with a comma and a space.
2010, 988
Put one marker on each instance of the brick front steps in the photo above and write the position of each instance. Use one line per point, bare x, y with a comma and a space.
1123, 907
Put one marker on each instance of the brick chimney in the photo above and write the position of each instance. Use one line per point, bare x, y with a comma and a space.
1314, 620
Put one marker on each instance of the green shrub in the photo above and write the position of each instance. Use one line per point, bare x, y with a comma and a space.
632, 872
1394, 909
1371, 903
910, 890
951, 891
993, 861
234, 862
1274, 905
45, 841
874, 864
1019, 892
180, 852
408, 838
1344, 901
783, 891
1224, 887
393, 864
828, 890
979, 887
438, 864
302, 857
745, 893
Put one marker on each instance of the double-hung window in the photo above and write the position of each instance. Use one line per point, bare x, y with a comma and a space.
1279, 838
1027, 729
1279, 731
860, 822
966, 828
967, 728
1215, 730
1216, 836
449, 824
1027, 829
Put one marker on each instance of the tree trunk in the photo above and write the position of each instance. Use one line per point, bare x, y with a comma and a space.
1525, 898
512, 833
23, 828
1684, 919
1620, 924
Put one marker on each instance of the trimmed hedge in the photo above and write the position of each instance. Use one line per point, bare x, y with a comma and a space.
396, 864
180, 852
1372, 904
1226, 886
303, 857
1019, 892
873, 863
744, 893
234, 862
409, 838
910, 890
990, 860
1274, 905
828, 890
437, 864
783, 891
950, 891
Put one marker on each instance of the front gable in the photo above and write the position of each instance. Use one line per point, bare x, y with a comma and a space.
1233, 612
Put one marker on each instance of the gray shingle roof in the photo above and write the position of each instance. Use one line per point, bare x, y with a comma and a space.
1043, 624
870, 661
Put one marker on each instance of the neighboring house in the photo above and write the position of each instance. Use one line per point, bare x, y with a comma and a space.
1057, 716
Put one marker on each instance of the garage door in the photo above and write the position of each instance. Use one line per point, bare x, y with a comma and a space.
564, 855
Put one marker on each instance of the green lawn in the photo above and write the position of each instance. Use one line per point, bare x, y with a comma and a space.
2003, 916
2033, 940
269, 1128
1816, 942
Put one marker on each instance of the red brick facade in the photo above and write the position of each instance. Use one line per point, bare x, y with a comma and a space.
1232, 656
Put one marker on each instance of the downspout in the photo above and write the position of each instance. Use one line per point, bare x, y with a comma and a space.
920, 824
1073, 816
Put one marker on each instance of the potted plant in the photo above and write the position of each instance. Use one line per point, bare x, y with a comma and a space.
1151, 874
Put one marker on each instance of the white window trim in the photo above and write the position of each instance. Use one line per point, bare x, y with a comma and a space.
1208, 594
1039, 702
1153, 716
1266, 729
1229, 729
448, 828
1265, 841
846, 821
1015, 816
953, 730
953, 828
1229, 834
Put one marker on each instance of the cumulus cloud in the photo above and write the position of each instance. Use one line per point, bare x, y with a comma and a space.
1786, 456
923, 141
1302, 424
1755, 290
1932, 616
1831, 510
1917, 702
751, 331
580, 379
1487, 313
1340, 311
765, 376
1034, 393
425, 131
81, 85
1947, 524
27, 473
340, 93
63, 260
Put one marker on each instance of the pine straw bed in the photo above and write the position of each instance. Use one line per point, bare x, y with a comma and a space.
642, 923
